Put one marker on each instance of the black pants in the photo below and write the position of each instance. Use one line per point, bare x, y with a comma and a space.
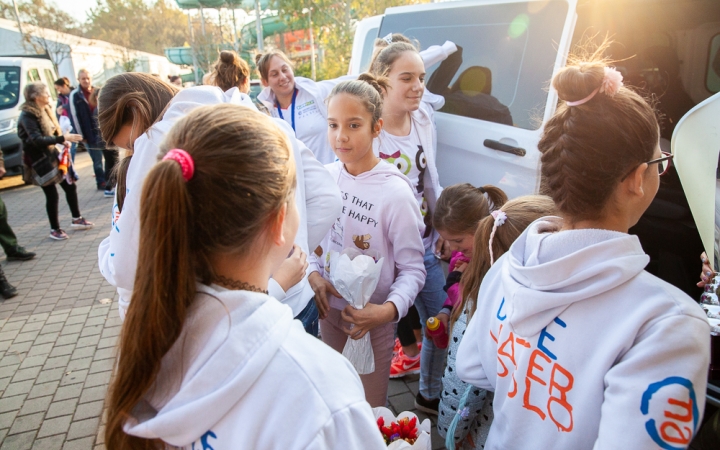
8, 241
51, 202
111, 159
406, 325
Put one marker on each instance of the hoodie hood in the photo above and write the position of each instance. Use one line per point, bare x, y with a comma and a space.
229, 339
547, 270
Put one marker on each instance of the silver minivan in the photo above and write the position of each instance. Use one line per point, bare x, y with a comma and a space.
15, 73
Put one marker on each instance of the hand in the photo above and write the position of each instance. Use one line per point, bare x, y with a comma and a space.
442, 317
707, 273
292, 270
70, 137
364, 320
2, 172
461, 266
60, 110
322, 287
442, 251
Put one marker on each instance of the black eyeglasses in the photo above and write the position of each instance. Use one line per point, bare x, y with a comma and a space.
663, 162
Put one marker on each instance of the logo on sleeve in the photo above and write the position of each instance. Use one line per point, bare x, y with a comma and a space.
672, 412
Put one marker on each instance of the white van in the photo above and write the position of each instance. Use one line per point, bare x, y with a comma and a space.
15, 73
498, 95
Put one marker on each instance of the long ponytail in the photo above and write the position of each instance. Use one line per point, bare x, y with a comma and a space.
164, 289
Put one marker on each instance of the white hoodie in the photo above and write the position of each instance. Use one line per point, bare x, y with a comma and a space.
253, 379
379, 213
316, 196
583, 348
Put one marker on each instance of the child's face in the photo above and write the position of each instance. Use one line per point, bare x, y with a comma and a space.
459, 242
350, 130
407, 78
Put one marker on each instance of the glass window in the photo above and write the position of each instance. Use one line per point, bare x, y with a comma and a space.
33, 75
50, 81
507, 58
9, 86
367, 51
713, 74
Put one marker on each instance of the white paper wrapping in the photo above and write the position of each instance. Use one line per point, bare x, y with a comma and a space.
355, 275
423, 441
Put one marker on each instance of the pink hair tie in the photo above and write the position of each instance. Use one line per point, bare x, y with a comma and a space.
500, 218
611, 84
187, 165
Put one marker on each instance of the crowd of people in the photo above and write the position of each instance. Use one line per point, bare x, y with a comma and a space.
227, 215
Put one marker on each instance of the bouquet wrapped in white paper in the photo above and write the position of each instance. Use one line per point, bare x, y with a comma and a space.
403, 432
355, 276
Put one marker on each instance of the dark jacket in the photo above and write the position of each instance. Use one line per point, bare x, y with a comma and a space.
36, 144
84, 121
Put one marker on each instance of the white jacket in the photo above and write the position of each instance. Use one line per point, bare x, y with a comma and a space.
317, 198
583, 348
253, 379
380, 214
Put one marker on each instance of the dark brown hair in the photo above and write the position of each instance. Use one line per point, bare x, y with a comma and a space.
183, 225
521, 212
132, 96
383, 60
62, 82
230, 71
587, 149
262, 61
120, 175
462, 206
368, 89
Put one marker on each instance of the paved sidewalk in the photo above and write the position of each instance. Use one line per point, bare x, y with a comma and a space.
58, 336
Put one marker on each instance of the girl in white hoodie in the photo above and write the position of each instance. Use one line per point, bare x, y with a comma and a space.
408, 141
583, 348
206, 358
380, 215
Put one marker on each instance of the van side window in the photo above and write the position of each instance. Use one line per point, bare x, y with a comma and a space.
507, 58
50, 81
713, 74
33, 75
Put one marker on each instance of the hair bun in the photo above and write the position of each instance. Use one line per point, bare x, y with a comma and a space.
380, 84
227, 56
576, 82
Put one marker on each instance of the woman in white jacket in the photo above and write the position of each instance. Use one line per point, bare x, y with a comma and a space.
128, 107
409, 141
584, 348
207, 359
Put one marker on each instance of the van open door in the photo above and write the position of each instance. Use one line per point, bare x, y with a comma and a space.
496, 88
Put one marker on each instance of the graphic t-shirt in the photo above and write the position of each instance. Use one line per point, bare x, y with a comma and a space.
310, 126
407, 154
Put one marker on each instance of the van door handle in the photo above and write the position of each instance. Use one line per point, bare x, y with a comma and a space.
497, 145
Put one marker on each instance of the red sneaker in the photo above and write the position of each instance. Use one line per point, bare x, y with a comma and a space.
397, 347
404, 365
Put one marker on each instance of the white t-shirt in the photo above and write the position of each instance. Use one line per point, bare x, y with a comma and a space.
407, 154
310, 126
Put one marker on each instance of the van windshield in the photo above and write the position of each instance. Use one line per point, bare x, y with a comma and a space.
9, 86
507, 58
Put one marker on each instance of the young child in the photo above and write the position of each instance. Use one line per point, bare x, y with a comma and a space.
379, 214
463, 406
407, 141
579, 343
206, 358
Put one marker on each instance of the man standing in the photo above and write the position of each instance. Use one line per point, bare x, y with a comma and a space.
84, 115
9, 243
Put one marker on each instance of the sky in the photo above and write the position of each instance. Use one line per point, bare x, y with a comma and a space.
77, 8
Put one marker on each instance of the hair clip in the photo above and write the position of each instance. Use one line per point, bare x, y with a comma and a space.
611, 84
500, 218
388, 38
187, 165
